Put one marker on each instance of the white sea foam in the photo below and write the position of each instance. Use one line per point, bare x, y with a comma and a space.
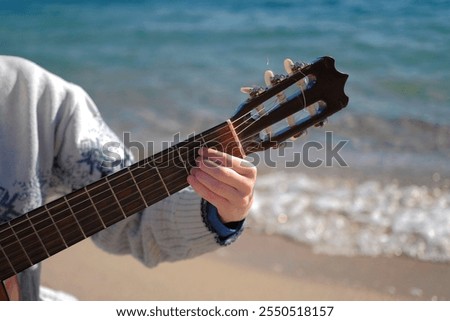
341, 217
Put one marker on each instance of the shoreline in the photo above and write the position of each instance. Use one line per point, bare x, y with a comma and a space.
258, 267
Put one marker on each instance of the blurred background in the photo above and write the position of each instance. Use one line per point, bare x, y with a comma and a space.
157, 68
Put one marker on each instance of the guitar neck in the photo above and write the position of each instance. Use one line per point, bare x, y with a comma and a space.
49, 229
41, 233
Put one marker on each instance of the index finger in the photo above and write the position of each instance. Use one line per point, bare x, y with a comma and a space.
241, 166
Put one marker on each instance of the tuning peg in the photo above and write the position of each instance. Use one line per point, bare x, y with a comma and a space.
271, 79
268, 76
246, 90
292, 67
302, 133
252, 91
321, 123
288, 65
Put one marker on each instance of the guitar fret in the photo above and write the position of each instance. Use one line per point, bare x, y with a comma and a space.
160, 177
174, 170
9, 261
203, 140
144, 176
29, 239
37, 235
15, 254
84, 212
57, 229
20, 243
115, 197
74, 216
95, 208
137, 186
65, 222
107, 202
182, 160
46, 230
127, 193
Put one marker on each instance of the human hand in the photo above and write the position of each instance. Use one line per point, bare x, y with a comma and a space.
226, 182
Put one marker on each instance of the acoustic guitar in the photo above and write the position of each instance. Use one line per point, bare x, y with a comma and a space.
316, 90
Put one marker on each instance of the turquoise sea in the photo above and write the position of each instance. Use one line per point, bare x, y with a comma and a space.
157, 67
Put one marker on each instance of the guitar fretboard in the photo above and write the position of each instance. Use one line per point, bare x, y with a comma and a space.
49, 229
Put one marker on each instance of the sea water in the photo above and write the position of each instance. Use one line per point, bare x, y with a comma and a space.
156, 68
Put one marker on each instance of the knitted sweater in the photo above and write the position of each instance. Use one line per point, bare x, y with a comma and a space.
51, 137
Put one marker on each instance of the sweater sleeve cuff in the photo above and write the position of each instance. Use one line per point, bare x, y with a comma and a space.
226, 233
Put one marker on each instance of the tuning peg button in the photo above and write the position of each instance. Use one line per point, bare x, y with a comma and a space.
268, 76
271, 79
246, 90
292, 67
288, 65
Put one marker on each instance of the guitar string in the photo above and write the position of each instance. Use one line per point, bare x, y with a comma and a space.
73, 226
237, 128
21, 254
137, 187
169, 151
179, 185
18, 252
183, 183
129, 179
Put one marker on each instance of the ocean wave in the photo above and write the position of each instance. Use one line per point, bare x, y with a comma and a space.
344, 217
370, 132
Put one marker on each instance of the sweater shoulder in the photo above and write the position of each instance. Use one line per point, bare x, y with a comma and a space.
18, 71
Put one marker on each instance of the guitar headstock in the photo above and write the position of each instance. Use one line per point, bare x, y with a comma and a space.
316, 90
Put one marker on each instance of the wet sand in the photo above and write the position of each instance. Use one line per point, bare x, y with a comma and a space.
257, 267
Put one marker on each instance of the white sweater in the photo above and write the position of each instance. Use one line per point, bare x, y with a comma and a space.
50, 131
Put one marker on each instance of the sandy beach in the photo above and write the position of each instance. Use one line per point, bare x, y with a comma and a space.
257, 267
